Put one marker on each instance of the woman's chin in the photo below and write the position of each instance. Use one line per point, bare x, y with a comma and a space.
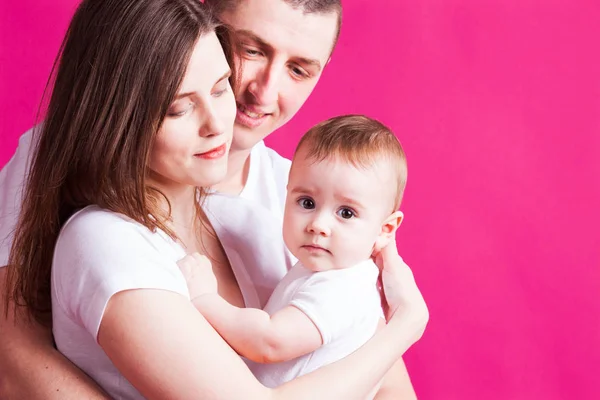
212, 179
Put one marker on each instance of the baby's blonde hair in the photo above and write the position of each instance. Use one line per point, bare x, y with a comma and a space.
357, 139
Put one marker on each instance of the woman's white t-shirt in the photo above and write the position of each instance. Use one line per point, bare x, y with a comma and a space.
98, 254
248, 225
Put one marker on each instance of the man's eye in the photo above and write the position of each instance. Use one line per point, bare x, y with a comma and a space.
306, 203
252, 52
298, 72
346, 213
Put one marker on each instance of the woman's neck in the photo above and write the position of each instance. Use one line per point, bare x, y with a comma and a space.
178, 203
238, 166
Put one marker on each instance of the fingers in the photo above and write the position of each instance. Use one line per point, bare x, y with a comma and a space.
387, 256
192, 264
402, 293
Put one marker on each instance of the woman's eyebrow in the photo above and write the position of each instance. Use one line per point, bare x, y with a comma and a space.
226, 75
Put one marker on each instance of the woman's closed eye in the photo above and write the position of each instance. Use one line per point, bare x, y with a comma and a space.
180, 110
221, 89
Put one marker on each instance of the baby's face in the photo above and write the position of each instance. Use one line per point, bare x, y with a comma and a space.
335, 211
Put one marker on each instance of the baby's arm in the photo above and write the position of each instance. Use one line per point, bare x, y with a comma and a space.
258, 336
253, 333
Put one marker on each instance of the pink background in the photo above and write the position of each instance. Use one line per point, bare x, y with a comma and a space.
497, 105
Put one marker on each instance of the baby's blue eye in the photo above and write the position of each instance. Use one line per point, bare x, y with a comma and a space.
306, 203
346, 213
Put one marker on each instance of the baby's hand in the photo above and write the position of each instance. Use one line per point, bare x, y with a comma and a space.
198, 274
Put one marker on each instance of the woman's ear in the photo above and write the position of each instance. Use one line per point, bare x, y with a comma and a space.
388, 230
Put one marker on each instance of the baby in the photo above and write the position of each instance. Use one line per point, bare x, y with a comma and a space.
345, 186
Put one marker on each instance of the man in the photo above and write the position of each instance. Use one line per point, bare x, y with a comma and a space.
284, 46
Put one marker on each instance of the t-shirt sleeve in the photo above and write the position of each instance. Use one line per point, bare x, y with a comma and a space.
12, 180
99, 254
334, 305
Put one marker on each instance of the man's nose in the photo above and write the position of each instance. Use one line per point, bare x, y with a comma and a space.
265, 86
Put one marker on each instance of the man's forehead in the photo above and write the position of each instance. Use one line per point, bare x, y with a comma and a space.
284, 28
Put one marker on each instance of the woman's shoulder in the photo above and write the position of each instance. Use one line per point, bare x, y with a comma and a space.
93, 219
112, 247
103, 229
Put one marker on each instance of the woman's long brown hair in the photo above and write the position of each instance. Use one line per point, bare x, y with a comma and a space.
119, 69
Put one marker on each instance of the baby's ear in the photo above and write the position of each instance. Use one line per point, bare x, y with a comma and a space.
388, 230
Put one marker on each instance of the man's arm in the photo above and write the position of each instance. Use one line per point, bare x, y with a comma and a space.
396, 384
30, 366
256, 335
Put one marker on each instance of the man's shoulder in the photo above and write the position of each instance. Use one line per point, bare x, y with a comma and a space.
268, 177
275, 160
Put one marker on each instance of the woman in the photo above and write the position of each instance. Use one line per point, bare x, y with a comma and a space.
140, 118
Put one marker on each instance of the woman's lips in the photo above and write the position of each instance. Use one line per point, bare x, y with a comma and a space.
213, 154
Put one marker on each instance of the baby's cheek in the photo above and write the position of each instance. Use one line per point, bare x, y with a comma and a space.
357, 247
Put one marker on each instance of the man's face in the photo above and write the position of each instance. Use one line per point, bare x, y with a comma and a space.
282, 55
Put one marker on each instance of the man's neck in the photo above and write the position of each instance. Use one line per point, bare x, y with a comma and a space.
238, 167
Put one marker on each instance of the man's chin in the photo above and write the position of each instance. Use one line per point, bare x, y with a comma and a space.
245, 139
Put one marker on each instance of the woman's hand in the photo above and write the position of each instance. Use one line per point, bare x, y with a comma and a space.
198, 274
403, 299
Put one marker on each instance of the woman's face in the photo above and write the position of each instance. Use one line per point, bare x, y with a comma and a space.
192, 145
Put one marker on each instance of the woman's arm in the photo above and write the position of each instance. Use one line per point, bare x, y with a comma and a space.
31, 368
184, 357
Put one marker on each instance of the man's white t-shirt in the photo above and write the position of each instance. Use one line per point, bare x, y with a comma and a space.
249, 226
12, 178
344, 305
98, 254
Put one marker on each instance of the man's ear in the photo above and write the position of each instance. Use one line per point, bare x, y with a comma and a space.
388, 230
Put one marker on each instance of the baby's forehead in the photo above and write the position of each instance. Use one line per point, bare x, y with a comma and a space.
344, 178
380, 165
